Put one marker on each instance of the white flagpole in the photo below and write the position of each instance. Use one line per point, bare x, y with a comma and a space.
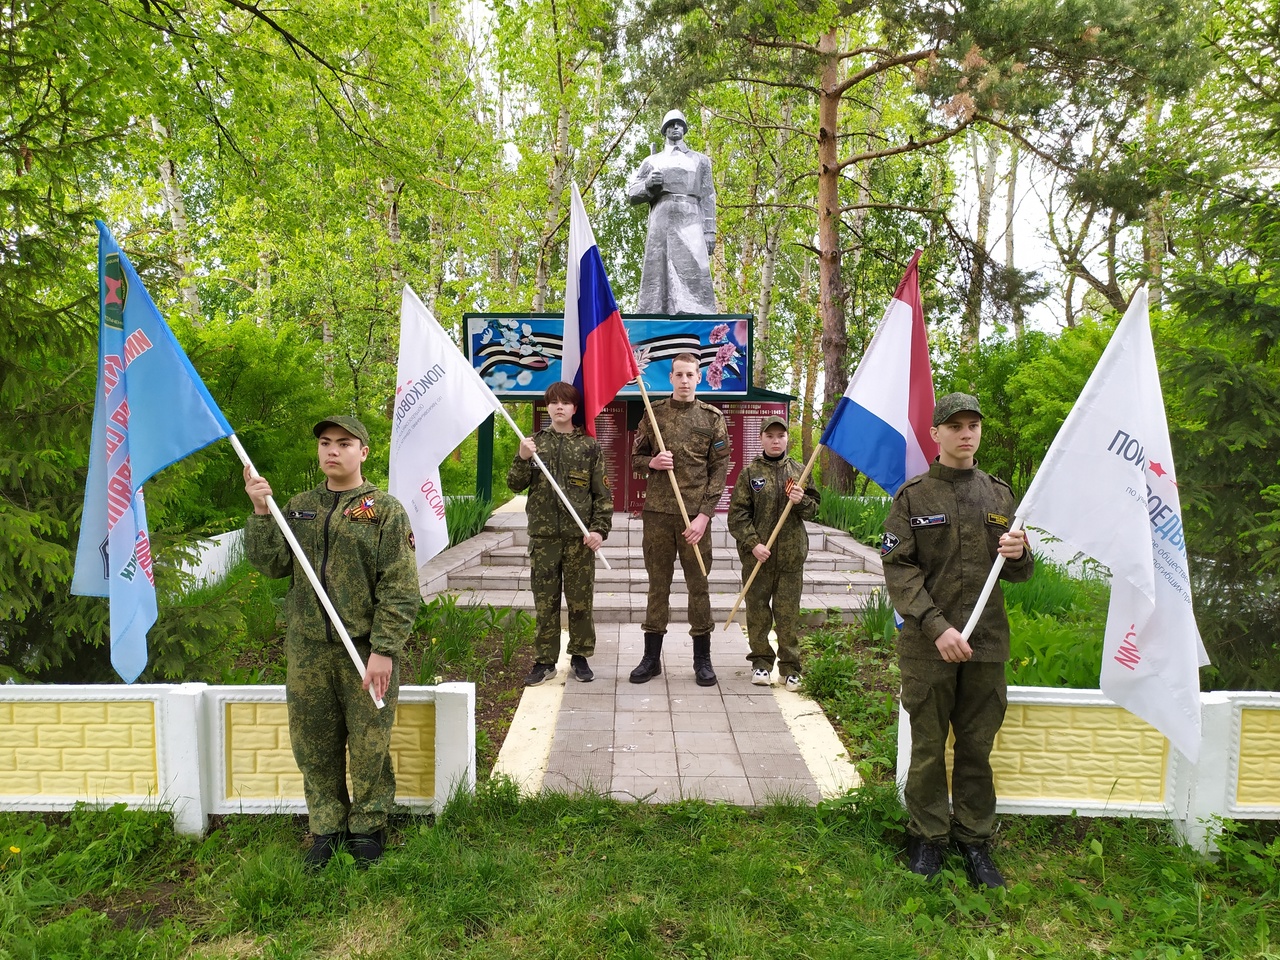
987, 587
551, 480
307, 569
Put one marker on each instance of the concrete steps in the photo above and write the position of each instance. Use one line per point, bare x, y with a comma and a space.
722, 577
493, 568
632, 558
629, 607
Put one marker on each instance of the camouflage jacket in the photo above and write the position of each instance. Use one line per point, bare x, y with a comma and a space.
759, 497
940, 540
695, 434
577, 463
360, 545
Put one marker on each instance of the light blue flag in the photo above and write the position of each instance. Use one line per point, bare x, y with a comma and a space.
151, 409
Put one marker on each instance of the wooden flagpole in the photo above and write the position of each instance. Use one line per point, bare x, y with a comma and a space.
657, 437
786, 512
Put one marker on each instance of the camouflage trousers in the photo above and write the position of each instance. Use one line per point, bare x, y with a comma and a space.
562, 565
329, 718
773, 602
663, 541
969, 699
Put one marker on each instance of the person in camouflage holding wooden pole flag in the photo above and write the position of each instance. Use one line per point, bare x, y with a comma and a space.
763, 489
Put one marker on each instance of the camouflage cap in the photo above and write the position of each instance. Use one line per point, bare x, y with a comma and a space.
953, 403
349, 424
774, 422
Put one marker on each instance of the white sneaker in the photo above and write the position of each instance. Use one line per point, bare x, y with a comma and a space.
761, 678
793, 683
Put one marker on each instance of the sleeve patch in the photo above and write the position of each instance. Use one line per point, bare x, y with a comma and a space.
887, 543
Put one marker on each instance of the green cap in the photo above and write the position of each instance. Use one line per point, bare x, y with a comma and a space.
774, 422
954, 403
349, 424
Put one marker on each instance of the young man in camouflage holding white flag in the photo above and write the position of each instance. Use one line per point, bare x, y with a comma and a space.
943, 533
359, 542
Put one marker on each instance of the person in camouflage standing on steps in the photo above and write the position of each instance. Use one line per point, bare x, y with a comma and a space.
698, 452
359, 542
761, 493
560, 558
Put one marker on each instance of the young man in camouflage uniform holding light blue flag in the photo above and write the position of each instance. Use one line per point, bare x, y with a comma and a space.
359, 541
560, 557
760, 495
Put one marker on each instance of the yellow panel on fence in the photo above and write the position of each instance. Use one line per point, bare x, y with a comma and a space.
413, 751
1096, 754
260, 764
1258, 783
95, 750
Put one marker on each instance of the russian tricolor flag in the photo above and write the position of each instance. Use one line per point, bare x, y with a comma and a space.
881, 424
597, 357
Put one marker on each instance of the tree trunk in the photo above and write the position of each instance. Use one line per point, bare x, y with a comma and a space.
391, 196
172, 192
807, 441
719, 259
986, 175
1010, 205
559, 173
835, 338
262, 289
772, 235
859, 215
1154, 237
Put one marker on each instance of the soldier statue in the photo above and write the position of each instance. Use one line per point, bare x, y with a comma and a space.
676, 183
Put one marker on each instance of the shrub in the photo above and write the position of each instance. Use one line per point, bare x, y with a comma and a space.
863, 517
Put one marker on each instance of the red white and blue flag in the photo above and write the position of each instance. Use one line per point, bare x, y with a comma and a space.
151, 409
881, 424
597, 357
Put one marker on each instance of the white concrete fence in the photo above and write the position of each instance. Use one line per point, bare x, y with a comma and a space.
201, 750
1074, 751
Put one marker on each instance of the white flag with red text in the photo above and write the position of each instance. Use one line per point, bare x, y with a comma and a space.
439, 400
1108, 488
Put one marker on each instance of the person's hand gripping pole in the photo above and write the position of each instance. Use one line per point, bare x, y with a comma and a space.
671, 474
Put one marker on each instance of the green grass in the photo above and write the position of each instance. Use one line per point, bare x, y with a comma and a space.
589, 877
1055, 628
852, 671
862, 517
465, 517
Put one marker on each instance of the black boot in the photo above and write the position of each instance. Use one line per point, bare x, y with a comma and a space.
702, 672
924, 857
978, 864
651, 664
